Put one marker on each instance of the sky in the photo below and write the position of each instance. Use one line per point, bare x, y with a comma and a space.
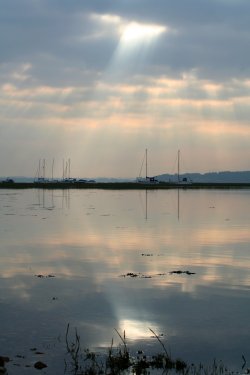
100, 81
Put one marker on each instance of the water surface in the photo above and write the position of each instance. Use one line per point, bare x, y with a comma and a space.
69, 257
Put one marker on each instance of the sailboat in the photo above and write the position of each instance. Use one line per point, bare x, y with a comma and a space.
66, 173
40, 177
146, 179
184, 180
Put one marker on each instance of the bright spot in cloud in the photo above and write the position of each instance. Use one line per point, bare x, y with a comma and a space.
134, 48
135, 32
131, 31
108, 18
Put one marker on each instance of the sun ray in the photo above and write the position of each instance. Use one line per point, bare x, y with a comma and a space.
137, 33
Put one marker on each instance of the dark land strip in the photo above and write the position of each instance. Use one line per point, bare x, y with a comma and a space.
121, 185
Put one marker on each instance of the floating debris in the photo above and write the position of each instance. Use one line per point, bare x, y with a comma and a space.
130, 274
179, 272
151, 255
141, 275
40, 365
44, 276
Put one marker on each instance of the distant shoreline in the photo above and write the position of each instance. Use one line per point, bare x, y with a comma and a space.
122, 185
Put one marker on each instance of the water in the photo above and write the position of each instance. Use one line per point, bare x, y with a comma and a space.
84, 243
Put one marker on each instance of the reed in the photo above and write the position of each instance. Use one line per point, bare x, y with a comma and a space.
119, 361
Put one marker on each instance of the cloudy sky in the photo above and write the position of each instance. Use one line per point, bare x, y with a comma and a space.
99, 81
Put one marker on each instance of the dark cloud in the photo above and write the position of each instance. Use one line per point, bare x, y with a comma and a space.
62, 41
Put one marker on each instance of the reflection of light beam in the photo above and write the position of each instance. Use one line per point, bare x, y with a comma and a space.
136, 329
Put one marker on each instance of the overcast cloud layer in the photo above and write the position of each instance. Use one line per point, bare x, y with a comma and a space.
100, 81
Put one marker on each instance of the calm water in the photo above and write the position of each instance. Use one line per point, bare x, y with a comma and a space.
89, 240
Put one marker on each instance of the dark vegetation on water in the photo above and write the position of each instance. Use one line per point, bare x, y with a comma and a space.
41, 276
119, 361
142, 276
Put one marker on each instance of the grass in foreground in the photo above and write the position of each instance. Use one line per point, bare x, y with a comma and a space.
118, 361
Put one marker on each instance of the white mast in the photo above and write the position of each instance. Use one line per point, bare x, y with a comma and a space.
66, 170
178, 165
39, 169
43, 168
52, 172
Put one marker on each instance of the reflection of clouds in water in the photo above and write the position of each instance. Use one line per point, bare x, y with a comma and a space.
76, 254
49, 305
88, 254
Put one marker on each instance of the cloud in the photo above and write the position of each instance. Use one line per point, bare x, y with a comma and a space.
131, 71
211, 37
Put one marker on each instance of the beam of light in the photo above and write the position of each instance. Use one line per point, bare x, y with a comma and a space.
137, 33
134, 49
136, 40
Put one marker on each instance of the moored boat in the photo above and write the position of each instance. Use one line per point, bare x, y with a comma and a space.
146, 179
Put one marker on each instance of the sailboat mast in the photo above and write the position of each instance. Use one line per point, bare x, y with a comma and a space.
39, 169
66, 169
178, 165
43, 168
146, 163
52, 172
